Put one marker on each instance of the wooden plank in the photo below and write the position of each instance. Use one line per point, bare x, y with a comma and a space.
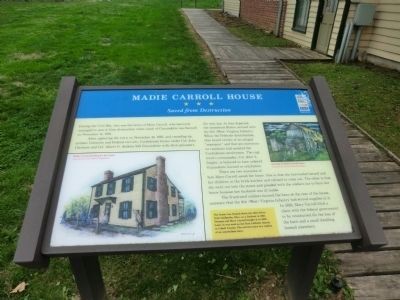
362, 148
291, 53
369, 263
264, 71
349, 126
371, 156
383, 287
379, 190
390, 219
219, 42
378, 166
383, 54
247, 61
308, 54
382, 177
384, 32
385, 24
358, 140
272, 83
392, 236
269, 52
345, 121
386, 203
237, 52
382, 38
260, 76
252, 66
339, 248
354, 133
257, 72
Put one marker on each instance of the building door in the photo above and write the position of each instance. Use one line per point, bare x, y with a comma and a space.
107, 211
326, 26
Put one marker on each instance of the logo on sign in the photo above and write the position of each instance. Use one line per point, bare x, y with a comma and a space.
303, 102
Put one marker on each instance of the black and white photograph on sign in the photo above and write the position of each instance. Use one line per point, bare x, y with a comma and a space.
122, 198
292, 141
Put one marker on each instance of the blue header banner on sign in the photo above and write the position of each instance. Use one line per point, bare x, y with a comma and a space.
193, 102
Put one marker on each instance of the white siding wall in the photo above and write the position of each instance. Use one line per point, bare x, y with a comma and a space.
232, 7
303, 39
336, 27
380, 43
135, 196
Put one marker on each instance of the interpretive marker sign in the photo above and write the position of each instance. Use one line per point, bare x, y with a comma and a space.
183, 165
138, 169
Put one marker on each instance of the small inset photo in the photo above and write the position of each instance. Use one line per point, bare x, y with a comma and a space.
294, 141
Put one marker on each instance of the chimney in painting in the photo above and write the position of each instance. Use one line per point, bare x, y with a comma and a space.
108, 175
162, 191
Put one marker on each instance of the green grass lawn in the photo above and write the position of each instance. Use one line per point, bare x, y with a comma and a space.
201, 3
104, 43
370, 96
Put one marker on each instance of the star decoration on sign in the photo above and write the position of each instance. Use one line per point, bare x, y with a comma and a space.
185, 103
198, 103
211, 103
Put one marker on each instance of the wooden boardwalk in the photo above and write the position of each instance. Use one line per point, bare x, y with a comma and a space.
376, 274
242, 63
372, 275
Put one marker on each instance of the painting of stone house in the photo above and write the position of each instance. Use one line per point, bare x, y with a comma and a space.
295, 141
144, 197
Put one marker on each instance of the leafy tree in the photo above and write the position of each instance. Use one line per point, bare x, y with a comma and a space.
77, 208
190, 210
279, 135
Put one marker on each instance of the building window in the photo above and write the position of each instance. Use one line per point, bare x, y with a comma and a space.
127, 184
152, 184
174, 210
151, 209
99, 190
301, 15
173, 191
94, 212
111, 188
125, 210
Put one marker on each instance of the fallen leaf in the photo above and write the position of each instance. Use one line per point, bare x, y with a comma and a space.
19, 288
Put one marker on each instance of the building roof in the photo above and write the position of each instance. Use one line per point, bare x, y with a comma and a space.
101, 200
125, 175
138, 172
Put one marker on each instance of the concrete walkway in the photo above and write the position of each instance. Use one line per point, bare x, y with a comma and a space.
242, 63
372, 275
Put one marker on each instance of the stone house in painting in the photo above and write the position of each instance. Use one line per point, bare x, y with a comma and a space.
148, 192
332, 27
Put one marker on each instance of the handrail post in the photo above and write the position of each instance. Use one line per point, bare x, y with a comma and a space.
301, 271
88, 278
